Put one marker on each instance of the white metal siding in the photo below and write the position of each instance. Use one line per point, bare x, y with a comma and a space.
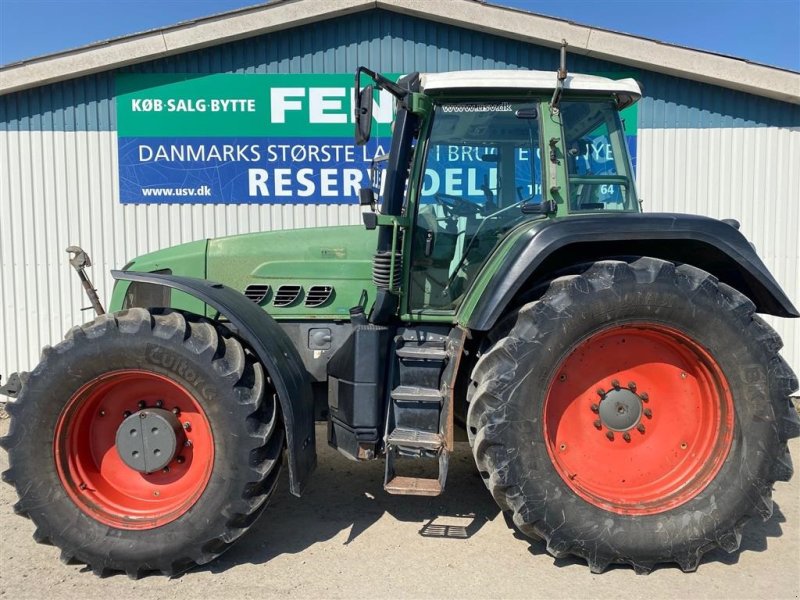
751, 174
60, 188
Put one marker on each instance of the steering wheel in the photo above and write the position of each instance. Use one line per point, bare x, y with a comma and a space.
455, 205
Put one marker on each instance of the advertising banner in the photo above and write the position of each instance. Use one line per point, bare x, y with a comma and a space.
240, 139
246, 138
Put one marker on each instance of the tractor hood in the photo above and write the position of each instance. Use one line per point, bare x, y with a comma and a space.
300, 274
303, 273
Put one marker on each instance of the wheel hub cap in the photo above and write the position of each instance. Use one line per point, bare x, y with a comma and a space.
620, 410
148, 440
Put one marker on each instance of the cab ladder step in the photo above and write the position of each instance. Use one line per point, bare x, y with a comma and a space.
413, 393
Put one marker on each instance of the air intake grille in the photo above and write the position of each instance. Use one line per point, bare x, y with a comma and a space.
318, 295
256, 292
286, 295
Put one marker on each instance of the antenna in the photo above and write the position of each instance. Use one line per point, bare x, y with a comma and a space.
562, 75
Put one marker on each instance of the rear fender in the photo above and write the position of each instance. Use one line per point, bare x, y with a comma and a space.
546, 247
276, 352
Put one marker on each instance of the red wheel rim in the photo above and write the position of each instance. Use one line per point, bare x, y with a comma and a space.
657, 458
97, 479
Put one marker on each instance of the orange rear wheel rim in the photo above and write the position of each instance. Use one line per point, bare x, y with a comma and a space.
638, 419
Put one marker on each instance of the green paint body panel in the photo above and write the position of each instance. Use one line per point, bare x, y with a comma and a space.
492, 265
340, 257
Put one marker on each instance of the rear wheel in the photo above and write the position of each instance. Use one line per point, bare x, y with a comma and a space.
636, 413
144, 442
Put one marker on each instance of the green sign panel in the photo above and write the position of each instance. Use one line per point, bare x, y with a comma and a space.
228, 105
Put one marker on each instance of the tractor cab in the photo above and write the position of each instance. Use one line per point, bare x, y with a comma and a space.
478, 153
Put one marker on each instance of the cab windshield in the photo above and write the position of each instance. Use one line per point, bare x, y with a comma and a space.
482, 175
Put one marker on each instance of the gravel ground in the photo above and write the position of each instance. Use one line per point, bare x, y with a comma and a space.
348, 539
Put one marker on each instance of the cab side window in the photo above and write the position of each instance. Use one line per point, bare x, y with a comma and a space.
599, 177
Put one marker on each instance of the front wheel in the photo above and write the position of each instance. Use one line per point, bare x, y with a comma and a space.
144, 442
636, 413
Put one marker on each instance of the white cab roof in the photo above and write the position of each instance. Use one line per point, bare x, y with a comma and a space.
626, 90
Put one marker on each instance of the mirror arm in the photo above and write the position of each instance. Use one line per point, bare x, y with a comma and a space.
382, 83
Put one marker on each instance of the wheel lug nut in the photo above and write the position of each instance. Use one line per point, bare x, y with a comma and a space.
142, 404
626, 436
595, 407
640, 428
175, 410
615, 384
166, 469
187, 444
601, 392
159, 403
180, 460
632, 386
187, 426
610, 435
648, 413
597, 423
644, 396
126, 414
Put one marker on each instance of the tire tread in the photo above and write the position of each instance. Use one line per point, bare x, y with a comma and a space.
255, 402
495, 371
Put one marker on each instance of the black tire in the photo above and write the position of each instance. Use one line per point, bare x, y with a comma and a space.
511, 379
222, 376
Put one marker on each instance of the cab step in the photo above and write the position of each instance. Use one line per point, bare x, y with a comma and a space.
413, 486
414, 352
428, 446
418, 428
412, 438
413, 393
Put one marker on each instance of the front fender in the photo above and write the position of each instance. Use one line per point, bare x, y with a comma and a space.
276, 352
533, 254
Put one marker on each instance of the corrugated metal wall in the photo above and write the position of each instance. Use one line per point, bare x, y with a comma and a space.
702, 149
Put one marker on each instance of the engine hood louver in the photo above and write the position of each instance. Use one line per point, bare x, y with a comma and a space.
318, 295
256, 292
286, 295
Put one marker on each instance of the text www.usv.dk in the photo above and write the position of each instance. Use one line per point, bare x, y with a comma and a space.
203, 190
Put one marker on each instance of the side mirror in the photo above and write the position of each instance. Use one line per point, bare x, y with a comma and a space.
363, 115
366, 197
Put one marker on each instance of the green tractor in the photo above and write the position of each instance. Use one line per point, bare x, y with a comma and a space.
623, 400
